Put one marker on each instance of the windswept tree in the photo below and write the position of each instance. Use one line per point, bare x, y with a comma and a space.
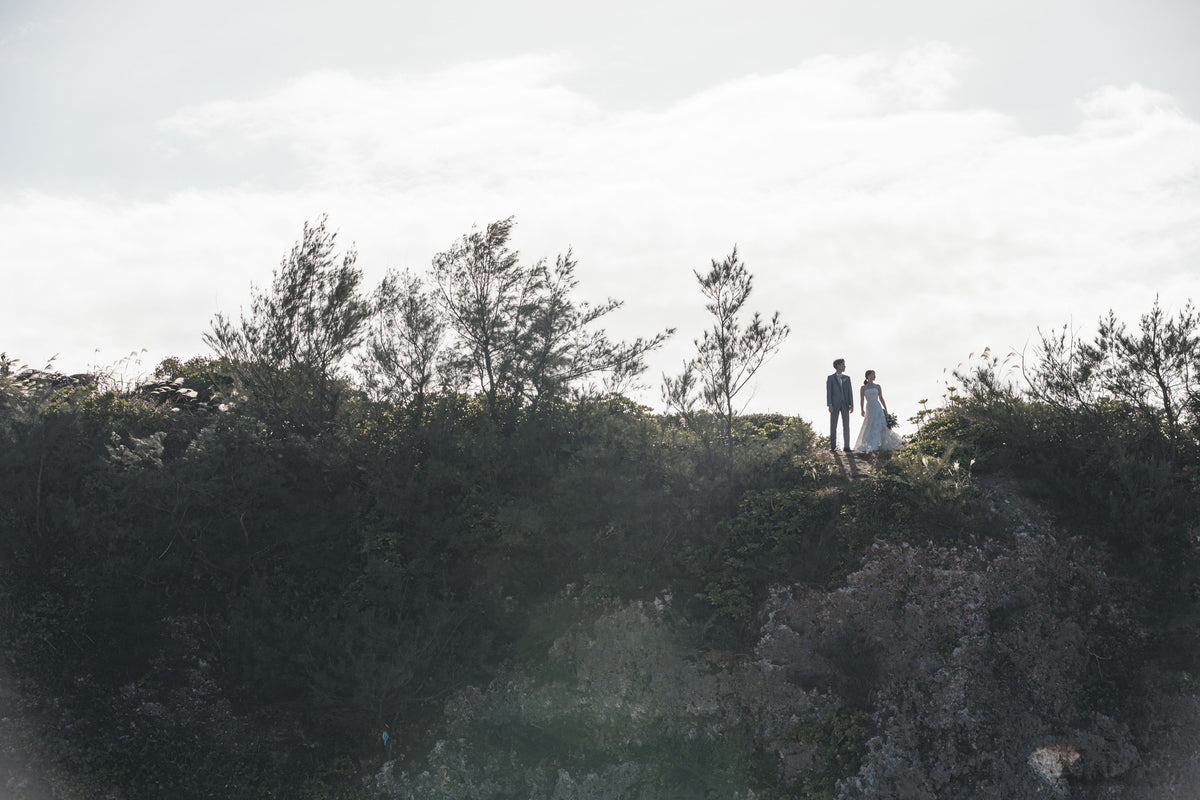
403, 342
566, 351
518, 334
488, 299
1153, 369
730, 352
288, 353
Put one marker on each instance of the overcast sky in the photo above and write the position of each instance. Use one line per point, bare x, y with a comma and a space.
909, 182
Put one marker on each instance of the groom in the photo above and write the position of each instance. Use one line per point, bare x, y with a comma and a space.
839, 396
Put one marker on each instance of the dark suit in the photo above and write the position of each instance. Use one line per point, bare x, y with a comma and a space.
839, 396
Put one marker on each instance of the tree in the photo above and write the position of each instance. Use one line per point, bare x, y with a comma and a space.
403, 342
564, 350
1152, 369
287, 355
518, 333
730, 352
488, 298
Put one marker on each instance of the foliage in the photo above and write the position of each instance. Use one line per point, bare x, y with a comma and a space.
913, 497
777, 536
1105, 461
519, 335
288, 353
196, 382
343, 585
538, 589
1152, 372
605, 718
729, 354
403, 343
839, 740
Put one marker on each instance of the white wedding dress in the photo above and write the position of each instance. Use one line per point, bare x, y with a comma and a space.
875, 434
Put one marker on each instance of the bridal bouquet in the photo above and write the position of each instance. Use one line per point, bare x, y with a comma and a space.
892, 421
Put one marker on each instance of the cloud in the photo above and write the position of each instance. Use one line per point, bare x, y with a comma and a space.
887, 223
342, 130
1136, 103
515, 119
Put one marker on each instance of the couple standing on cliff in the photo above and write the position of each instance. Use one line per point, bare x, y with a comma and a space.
875, 434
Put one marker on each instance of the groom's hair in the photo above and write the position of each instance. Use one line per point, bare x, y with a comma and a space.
837, 361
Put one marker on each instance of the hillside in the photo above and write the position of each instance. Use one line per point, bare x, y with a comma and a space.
961, 643
1005, 663
245, 580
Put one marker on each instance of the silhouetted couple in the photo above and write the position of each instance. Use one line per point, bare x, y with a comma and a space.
839, 397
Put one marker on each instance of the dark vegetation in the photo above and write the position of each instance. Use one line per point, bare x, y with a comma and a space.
265, 572
1106, 432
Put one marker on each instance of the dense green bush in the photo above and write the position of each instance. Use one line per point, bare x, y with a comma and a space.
1096, 462
344, 583
777, 536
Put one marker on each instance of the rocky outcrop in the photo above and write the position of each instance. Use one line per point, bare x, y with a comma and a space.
972, 665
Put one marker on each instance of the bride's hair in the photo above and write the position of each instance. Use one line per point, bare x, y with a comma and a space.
868, 375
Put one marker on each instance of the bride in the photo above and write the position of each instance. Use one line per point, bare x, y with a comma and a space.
875, 434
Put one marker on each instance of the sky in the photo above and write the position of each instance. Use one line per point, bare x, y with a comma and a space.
908, 182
